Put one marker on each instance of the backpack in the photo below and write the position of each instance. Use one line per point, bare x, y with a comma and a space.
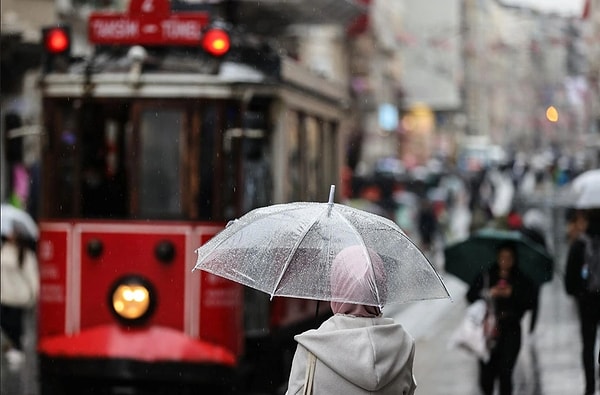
590, 271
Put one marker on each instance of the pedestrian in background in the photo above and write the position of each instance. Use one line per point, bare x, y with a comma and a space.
576, 225
428, 225
582, 281
535, 227
19, 290
356, 351
510, 293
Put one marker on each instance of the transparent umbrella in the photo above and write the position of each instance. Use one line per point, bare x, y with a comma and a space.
289, 250
14, 219
587, 187
581, 193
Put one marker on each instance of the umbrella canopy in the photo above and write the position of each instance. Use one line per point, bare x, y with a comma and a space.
466, 259
14, 219
587, 188
291, 249
583, 192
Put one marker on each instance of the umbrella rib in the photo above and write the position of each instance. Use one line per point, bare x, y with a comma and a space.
289, 259
368, 259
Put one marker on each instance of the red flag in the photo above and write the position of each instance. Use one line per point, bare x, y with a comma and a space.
586, 9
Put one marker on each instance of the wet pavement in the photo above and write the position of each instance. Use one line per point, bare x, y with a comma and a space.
548, 364
23, 381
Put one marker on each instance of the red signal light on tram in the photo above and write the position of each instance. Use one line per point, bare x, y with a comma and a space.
57, 40
216, 42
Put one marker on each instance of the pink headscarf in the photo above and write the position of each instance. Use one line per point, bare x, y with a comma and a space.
353, 278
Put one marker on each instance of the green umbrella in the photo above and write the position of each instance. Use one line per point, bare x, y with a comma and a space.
468, 258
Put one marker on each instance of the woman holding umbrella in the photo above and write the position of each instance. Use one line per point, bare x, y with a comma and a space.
509, 295
20, 286
358, 261
356, 351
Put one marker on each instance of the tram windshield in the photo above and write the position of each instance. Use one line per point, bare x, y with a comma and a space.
160, 157
122, 159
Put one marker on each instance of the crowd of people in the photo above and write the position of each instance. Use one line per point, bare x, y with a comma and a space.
493, 198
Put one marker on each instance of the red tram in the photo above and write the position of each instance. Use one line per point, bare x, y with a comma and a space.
151, 145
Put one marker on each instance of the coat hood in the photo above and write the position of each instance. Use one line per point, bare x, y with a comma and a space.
368, 352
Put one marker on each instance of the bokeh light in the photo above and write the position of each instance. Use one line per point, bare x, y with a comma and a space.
552, 114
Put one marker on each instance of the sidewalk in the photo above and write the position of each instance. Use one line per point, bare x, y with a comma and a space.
553, 352
23, 381
549, 361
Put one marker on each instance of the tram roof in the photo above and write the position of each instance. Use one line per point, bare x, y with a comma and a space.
230, 74
293, 83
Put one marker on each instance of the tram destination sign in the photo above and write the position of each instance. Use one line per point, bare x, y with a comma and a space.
147, 22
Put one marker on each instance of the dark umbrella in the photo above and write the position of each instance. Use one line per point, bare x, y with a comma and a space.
466, 259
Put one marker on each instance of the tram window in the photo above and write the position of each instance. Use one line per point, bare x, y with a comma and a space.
209, 129
257, 174
61, 190
161, 134
92, 145
103, 180
246, 161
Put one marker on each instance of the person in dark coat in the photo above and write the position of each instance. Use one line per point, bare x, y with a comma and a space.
588, 301
428, 224
510, 294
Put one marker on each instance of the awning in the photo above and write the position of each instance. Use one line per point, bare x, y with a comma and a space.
270, 16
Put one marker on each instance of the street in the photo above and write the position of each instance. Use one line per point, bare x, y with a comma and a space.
548, 364
177, 168
24, 381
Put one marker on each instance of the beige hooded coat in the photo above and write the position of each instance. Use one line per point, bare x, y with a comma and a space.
357, 350
356, 355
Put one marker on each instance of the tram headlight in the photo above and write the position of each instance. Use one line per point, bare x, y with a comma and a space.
132, 300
